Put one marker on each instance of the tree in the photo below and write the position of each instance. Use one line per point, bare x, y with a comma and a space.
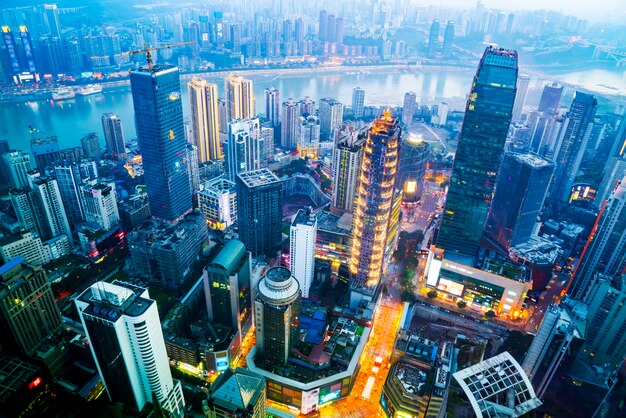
432, 294
490, 314
461, 304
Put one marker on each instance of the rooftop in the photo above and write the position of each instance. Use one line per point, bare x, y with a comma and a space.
237, 390
278, 286
110, 301
304, 217
498, 387
14, 375
230, 255
256, 178
537, 250
532, 160
327, 221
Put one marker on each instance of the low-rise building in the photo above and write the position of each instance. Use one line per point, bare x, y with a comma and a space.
498, 286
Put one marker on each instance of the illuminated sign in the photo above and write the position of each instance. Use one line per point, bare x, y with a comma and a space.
174, 95
451, 287
310, 401
330, 397
34, 383
410, 186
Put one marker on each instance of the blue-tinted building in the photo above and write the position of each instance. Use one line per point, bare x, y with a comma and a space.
481, 145
161, 137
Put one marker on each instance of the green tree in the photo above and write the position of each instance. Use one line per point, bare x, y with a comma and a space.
461, 304
490, 314
432, 294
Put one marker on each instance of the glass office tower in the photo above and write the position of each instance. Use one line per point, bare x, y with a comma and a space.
481, 145
161, 138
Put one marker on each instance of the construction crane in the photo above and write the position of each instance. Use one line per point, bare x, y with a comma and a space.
147, 50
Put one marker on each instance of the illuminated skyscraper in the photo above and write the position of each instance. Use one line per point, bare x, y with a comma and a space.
572, 142
239, 97
51, 13
605, 250
114, 136
205, 124
289, 125
374, 196
272, 106
161, 138
481, 145
358, 102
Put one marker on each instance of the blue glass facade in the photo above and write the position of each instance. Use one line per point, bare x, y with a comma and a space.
481, 145
161, 137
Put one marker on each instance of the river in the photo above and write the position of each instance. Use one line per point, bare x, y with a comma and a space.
72, 119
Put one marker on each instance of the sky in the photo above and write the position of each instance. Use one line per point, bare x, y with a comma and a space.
591, 9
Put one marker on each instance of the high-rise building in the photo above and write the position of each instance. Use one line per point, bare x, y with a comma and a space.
51, 14
523, 82
614, 172
124, 331
100, 204
408, 108
483, 134
205, 123
51, 205
259, 211
289, 124
239, 97
323, 26
559, 335
276, 314
331, 117
4, 149
308, 136
69, 177
358, 102
20, 55
26, 244
193, 168
374, 197
307, 106
448, 40
414, 157
45, 149
267, 145
605, 250
605, 340
272, 106
28, 211
433, 39
91, 146
242, 149
114, 136
28, 311
302, 238
227, 287
161, 138
550, 98
18, 165
521, 187
571, 145
239, 393
347, 157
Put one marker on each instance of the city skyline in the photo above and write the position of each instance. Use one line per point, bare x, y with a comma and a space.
332, 209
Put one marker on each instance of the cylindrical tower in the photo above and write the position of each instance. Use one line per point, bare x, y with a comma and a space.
276, 311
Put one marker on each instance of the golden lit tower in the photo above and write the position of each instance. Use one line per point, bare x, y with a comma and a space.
205, 125
374, 197
239, 97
